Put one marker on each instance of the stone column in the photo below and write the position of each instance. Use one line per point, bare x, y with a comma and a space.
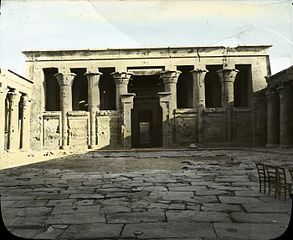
65, 81
198, 93
165, 98
13, 133
127, 106
272, 119
286, 116
3, 94
227, 77
93, 104
121, 80
198, 99
170, 79
26, 126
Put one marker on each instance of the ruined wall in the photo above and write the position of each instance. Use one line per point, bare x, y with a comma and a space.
107, 129
185, 126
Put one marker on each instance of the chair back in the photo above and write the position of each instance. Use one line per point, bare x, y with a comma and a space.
271, 173
282, 176
291, 173
261, 170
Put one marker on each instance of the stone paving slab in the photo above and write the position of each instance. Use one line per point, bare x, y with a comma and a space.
260, 217
177, 215
251, 231
221, 207
278, 207
170, 229
239, 200
76, 218
92, 231
136, 217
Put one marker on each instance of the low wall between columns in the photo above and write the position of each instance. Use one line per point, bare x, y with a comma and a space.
214, 125
185, 126
78, 129
51, 130
107, 129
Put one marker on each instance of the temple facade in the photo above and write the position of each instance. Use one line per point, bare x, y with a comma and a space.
147, 97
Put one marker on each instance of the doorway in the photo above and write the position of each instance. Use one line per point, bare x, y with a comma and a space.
146, 122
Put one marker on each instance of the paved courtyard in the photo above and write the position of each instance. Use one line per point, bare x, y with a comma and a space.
192, 194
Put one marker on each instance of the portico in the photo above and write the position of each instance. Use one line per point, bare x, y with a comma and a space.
153, 97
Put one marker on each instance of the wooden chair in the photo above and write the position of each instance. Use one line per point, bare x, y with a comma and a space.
272, 176
283, 186
262, 176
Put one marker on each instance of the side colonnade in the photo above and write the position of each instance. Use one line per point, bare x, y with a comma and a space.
15, 111
279, 112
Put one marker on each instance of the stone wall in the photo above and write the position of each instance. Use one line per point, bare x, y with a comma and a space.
242, 127
107, 129
214, 126
259, 116
78, 129
51, 130
185, 126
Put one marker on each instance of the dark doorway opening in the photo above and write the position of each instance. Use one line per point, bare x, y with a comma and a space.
213, 88
107, 88
242, 86
52, 90
146, 115
79, 90
184, 87
146, 122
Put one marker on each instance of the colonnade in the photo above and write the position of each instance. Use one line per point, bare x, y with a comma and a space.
18, 131
280, 116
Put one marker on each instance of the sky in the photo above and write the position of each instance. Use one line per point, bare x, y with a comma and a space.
83, 24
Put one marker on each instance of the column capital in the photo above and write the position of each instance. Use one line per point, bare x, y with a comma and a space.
26, 101
121, 77
283, 88
93, 78
65, 79
271, 93
199, 74
227, 74
14, 96
169, 76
